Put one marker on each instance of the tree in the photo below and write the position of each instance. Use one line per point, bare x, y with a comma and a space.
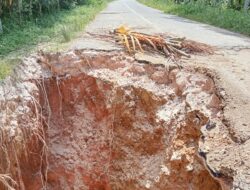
246, 5
1, 26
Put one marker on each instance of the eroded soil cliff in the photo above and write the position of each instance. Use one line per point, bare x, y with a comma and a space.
101, 120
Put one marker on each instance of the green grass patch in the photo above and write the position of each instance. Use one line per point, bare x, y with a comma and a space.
5, 69
19, 40
237, 21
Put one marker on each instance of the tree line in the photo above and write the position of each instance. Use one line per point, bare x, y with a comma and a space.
32, 8
232, 4
22, 10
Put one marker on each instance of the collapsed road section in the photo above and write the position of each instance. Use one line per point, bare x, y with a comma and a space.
101, 120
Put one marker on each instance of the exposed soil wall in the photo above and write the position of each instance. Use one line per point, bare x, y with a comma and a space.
22, 137
110, 122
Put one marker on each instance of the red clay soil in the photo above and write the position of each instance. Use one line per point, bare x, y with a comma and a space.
113, 123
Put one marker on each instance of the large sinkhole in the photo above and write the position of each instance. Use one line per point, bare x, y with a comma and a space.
110, 122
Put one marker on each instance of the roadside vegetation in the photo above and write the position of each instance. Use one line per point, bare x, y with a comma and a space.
27, 25
233, 15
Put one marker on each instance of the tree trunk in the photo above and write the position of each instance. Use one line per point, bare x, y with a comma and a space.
30, 10
1, 27
1, 7
20, 9
230, 3
40, 8
246, 5
58, 5
1, 12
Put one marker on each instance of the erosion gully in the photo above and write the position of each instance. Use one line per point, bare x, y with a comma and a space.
101, 120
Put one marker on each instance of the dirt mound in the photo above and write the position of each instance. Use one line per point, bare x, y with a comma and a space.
101, 120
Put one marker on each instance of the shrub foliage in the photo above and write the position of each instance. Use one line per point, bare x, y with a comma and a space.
29, 9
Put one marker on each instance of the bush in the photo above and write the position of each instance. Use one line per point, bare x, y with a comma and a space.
27, 9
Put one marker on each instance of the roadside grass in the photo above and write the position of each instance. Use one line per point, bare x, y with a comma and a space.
237, 21
5, 68
52, 30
